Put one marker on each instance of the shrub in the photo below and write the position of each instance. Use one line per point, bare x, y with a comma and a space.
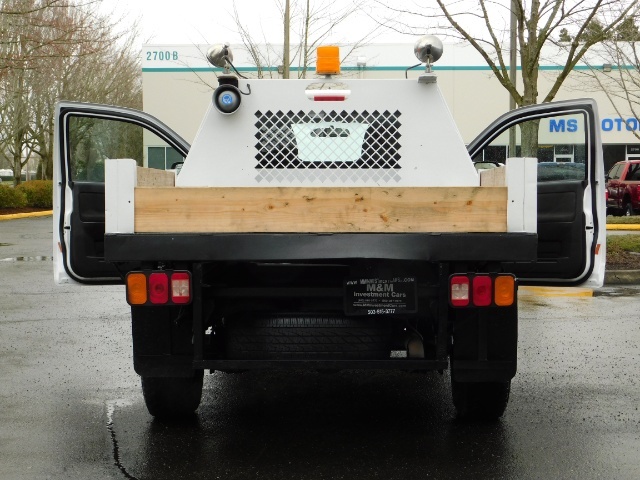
622, 251
611, 220
11, 197
39, 193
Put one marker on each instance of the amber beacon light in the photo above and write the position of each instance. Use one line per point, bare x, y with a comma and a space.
328, 62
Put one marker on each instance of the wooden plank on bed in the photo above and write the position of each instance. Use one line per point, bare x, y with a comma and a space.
323, 210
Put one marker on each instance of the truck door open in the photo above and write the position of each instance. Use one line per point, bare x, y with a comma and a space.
571, 206
87, 137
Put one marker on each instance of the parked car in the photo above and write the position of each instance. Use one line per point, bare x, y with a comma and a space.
623, 188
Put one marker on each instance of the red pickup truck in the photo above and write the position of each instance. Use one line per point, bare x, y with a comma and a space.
623, 188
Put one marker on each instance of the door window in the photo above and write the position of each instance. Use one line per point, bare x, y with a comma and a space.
634, 172
94, 141
559, 143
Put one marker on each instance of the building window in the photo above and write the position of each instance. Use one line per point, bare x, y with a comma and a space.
492, 153
546, 153
163, 158
613, 154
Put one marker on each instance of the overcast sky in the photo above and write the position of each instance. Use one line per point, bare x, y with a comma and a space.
209, 21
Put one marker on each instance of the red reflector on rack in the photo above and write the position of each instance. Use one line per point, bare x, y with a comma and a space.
158, 288
459, 291
181, 287
319, 98
482, 291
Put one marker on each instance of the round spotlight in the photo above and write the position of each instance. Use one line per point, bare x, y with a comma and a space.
428, 49
226, 99
219, 55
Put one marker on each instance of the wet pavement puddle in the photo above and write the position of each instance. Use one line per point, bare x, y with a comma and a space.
27, 259
111, 408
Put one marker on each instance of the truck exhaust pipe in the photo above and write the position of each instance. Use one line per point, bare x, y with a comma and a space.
414, 346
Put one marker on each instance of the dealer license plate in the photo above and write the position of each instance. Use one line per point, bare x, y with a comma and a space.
380, 296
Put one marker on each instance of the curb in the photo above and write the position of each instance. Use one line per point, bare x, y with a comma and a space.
15, 216
621, 277
529, 291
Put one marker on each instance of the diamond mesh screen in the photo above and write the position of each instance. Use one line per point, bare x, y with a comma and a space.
327, 146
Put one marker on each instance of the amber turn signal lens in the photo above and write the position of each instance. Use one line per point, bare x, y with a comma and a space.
136, 289
504, 290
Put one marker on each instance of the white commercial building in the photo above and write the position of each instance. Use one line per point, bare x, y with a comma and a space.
178, 84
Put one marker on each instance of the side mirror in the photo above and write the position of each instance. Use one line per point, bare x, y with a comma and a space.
177, 166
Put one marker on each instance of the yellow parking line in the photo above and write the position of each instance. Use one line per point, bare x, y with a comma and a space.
15, 216
555, 291
623, 226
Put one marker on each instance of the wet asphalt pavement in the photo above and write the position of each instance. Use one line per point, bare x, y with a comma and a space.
71, 405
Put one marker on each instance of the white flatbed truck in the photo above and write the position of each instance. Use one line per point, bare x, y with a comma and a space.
315, 228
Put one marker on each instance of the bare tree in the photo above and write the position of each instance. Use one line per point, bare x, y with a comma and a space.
262, 54
484, 24
104, 70
22, 16
56, 50
615, 70
22, 23
310, 24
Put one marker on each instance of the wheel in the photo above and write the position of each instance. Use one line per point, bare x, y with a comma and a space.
481, 400
172, 397
628, 210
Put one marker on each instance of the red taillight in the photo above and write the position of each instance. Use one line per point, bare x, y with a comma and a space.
180, 287
158, 288
482, 291
459, 295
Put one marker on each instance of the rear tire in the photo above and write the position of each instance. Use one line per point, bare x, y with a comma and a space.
480, 400
172, 397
